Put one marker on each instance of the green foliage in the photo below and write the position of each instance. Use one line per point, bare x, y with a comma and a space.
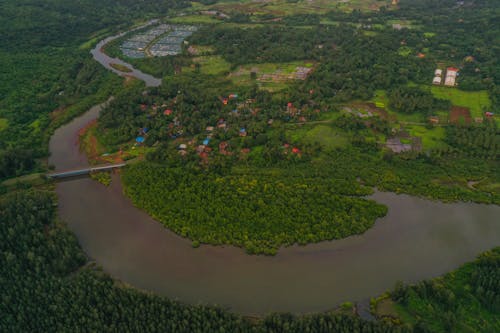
257, 212
15, 162
413, 99
480, 141
466, 300
102, 177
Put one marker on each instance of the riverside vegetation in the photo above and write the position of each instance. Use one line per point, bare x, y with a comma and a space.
288, 133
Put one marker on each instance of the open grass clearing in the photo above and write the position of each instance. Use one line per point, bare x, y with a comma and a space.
195, 19
431, 137
326, 136
212, 65
271, 76
322, 133
4, 124
474, 100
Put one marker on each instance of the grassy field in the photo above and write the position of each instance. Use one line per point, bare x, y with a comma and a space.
195, 19
212, 65
4, 124
431, 138
326, 136
474, 100
264, 72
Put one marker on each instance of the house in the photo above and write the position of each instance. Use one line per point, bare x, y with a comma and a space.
182, 146
167, 112
210, 128
223, 148
200, 149
434, 120
451, 76
438, 72
436, 80
243, 132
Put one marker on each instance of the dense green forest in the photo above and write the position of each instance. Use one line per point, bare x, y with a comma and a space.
259, 212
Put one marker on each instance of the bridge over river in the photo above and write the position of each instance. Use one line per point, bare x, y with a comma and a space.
84, 171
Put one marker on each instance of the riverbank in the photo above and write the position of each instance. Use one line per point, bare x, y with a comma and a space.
418, 239
117, 65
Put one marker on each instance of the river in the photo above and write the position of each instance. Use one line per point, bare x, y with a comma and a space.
418, 239
106, 61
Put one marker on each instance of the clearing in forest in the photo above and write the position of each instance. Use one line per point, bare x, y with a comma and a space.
474, 100
325, 135
272, 76
212, 65
460, 115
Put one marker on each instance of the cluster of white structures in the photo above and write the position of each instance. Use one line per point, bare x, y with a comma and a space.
450, 79
166, 39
